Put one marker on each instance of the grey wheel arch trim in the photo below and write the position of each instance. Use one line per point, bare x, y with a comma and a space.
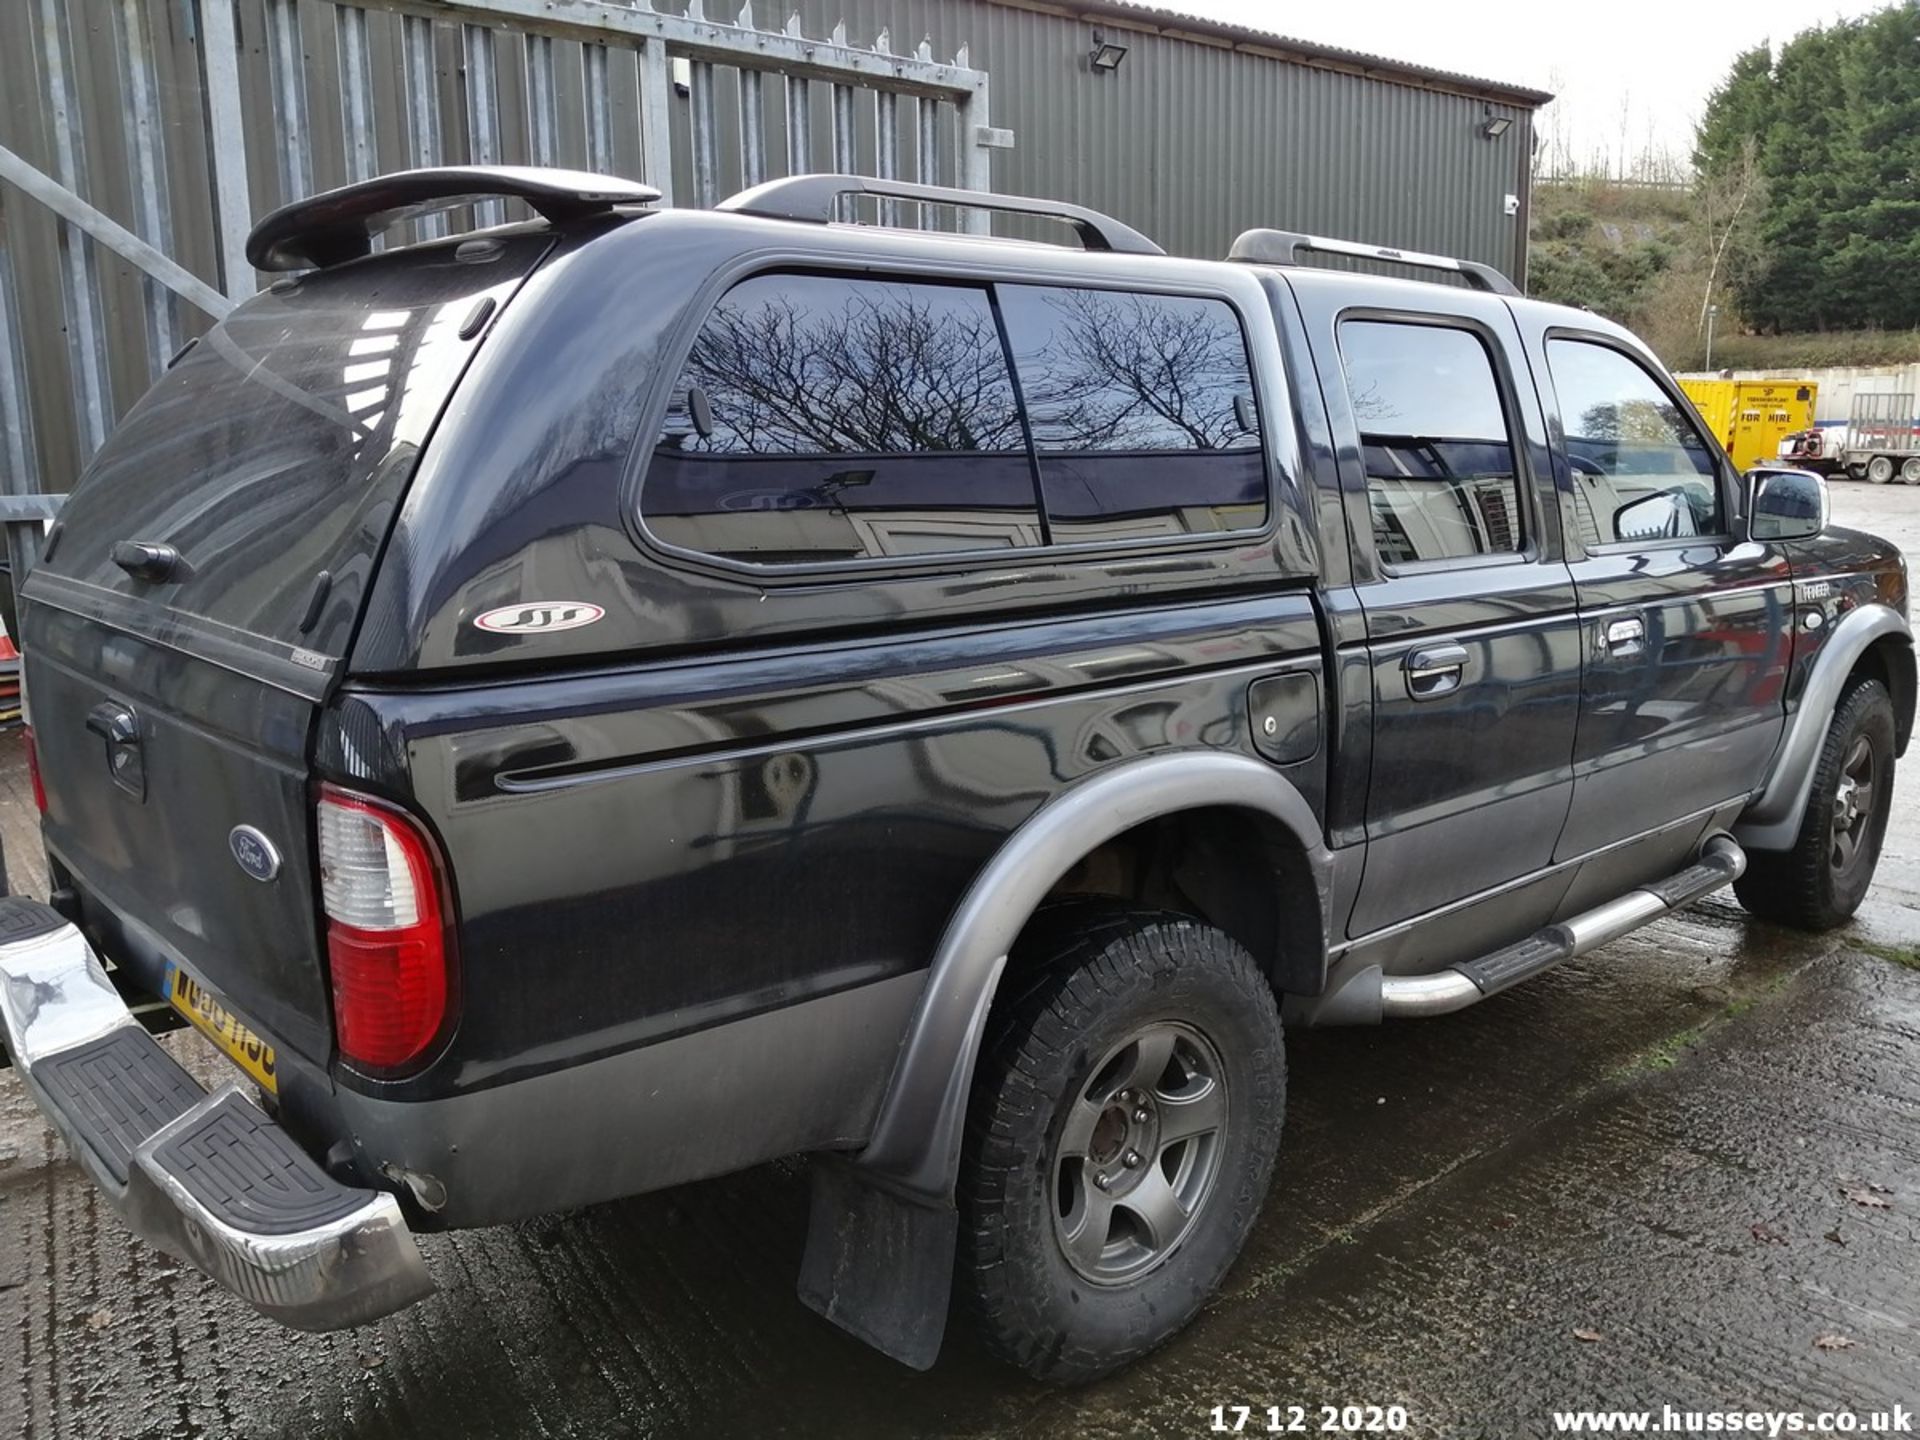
915, 1147
1772, 821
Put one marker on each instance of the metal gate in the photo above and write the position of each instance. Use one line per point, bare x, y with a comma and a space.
154, 132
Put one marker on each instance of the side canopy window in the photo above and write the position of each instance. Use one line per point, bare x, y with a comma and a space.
1441, 480
1641, 471
1142, 412
822, 419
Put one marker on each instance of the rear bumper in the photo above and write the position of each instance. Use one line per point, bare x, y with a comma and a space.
207, 1178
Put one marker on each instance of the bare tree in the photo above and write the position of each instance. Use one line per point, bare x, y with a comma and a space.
1725, 198
887, 372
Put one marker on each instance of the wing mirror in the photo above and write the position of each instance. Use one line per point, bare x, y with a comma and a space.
1784, 504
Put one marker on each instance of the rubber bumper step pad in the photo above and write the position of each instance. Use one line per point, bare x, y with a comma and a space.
1515, 963
23, 919
117, 1091
246, 1171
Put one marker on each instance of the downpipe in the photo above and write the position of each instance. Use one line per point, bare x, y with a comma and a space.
1721, 862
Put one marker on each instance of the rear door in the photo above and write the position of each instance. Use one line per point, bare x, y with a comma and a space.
1686, 627
1472, 641
196, 600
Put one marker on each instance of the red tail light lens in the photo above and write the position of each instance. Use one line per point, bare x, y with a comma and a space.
387, 948
33, 770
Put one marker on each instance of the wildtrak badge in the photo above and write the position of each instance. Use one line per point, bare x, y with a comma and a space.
539, 617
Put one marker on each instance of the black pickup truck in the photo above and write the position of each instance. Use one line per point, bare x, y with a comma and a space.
605, 701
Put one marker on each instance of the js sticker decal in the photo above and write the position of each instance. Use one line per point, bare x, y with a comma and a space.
539, 617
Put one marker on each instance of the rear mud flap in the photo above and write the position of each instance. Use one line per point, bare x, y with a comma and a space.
879, 1264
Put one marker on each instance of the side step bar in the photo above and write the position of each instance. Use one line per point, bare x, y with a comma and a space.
1371, 996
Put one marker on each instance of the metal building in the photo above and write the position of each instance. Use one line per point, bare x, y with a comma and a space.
140, 138
1203, 130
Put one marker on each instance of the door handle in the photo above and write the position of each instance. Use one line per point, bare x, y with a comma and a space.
1626, 637
114, 723
1435, 670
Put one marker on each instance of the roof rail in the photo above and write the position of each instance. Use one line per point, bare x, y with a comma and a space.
339, 225
817, 197
1284, 247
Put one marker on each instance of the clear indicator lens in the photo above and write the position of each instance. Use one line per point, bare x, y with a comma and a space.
365, 878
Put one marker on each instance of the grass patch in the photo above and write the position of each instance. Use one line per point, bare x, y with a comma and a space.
1808, 351
1666, 1052
1907, 959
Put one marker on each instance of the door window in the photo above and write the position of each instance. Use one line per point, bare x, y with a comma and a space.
1641, 470
821, 419
1142, 412
1441, 480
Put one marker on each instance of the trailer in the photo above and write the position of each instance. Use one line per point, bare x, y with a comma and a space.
1882, 440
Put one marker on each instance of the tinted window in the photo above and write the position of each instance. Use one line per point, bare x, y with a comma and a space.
1441, 482
1641, 471
1142, 412
822, 419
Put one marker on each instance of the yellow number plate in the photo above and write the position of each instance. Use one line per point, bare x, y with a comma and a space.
217, 1023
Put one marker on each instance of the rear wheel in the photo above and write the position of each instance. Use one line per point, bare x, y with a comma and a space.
1124, 1119
1821, 881
1880, 469
1910, 470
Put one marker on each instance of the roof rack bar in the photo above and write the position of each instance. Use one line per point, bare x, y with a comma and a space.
817, 198
1284, 247
339, 225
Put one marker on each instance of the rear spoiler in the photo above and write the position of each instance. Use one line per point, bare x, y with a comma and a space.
339, 225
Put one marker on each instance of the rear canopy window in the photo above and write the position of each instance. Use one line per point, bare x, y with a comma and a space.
1142, 411
823, 419
276, 448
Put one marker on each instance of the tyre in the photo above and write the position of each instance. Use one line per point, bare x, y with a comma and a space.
1821, 881
1910, 470
1880, 469
1856, 472
1123, 1124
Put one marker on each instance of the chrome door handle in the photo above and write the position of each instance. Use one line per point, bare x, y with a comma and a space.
1626, 637
1435, 670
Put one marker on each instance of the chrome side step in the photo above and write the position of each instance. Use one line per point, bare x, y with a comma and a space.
1371, 997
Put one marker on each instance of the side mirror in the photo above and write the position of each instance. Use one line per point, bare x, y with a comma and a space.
1785, 504
1660, 516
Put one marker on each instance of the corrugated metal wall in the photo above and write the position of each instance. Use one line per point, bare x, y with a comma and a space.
1190, 142
108, 98
1193, 143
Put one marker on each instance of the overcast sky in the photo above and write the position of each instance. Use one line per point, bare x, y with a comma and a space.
1632, 75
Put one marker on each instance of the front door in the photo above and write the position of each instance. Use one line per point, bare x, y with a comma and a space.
1472, 641
1687, 627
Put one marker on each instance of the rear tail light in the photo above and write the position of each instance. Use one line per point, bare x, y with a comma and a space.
388, 951
33, 770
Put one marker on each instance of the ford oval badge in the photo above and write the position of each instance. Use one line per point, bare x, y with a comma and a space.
538, 617
253, 852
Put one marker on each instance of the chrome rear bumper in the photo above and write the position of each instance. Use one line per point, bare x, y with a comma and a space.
207, 1178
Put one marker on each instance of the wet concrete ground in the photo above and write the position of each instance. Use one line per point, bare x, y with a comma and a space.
1700, 1146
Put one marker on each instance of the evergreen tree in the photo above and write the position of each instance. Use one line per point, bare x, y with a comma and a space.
1837, 121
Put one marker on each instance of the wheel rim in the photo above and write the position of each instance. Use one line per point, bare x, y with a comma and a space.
1910, 471
1139, 1154
1853, 803
1879, 470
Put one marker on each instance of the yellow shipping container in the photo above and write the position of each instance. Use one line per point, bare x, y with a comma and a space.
1749, 417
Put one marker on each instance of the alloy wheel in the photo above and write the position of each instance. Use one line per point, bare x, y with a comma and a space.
1853, 801
1139, 1153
